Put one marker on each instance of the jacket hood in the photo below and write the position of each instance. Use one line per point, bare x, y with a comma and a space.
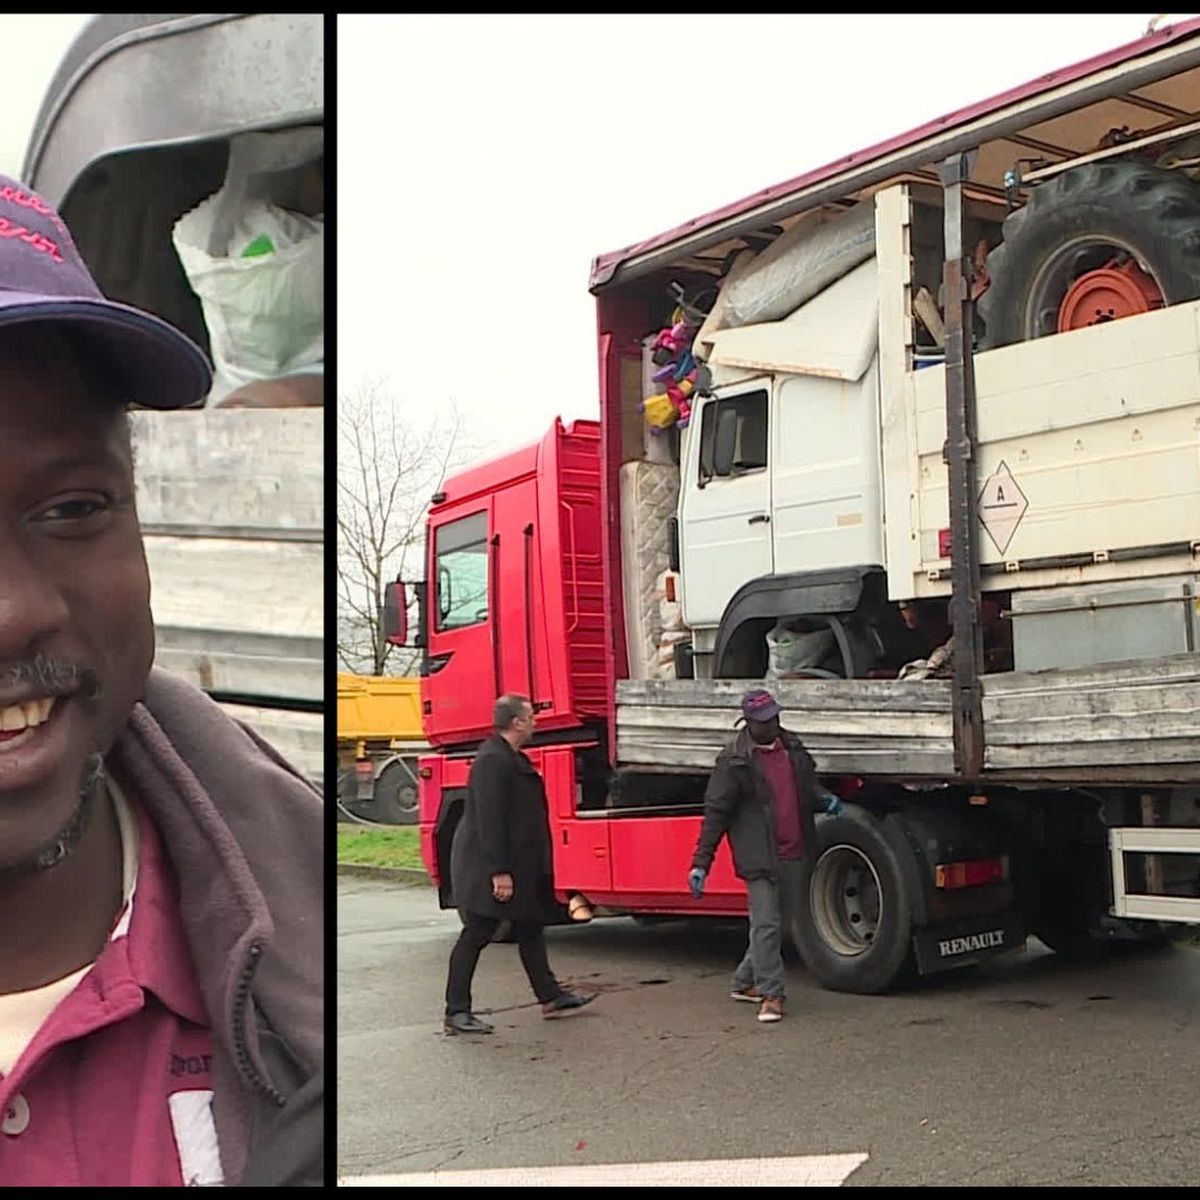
244, 834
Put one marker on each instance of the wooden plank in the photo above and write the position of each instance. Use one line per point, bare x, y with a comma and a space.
1159, 774
259, 468
232, 507
225, 583
646, 744
854, 695
1053, 730
1175, 668
1115, 722
1126, 752
284, 678
880, 727
879, 724
1121, 720
923, 764
1132, 701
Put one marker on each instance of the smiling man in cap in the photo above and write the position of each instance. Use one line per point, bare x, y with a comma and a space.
762, 794
160, 867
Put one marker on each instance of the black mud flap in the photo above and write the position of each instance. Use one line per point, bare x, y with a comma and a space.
968, 940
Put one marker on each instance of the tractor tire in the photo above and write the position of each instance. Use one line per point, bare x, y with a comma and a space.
1074, 223
395, 796
853, 922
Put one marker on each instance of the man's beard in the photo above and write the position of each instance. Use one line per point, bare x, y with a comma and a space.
64, 843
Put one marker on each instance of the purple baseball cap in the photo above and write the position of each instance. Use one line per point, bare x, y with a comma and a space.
43, 278
759, 705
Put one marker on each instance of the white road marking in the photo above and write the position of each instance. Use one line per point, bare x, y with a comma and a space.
819, 1170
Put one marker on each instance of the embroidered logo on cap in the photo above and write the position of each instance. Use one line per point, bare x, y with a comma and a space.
38, 241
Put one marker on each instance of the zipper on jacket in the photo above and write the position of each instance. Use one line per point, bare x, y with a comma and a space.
240, 1001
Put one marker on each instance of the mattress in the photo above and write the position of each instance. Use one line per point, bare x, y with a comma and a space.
649, 494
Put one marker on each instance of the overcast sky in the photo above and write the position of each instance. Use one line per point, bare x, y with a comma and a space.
33, 48
483, 161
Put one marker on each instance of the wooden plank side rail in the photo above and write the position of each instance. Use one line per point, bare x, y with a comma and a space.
1120, 723
1124, 722
875, 727
231, 504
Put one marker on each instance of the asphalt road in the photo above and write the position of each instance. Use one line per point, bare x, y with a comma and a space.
1025, 1071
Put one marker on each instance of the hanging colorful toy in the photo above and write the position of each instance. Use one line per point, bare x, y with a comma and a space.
671, 352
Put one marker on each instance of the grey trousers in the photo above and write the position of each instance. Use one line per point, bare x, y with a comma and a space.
770, 902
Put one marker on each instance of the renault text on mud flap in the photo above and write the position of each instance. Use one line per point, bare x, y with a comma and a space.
991, 940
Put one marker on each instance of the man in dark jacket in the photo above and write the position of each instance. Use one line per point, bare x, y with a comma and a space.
501, 866
161, 1003
761, 795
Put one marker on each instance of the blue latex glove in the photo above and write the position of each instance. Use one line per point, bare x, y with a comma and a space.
833, 805
696, 878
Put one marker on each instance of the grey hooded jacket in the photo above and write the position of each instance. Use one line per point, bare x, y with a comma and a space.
244, 833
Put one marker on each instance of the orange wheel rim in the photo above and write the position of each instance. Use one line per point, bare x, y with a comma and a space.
1108, 294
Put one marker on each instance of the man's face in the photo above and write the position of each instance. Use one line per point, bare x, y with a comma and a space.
763, 732
524, 724
74, 594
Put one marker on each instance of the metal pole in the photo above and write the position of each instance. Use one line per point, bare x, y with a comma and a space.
959, 454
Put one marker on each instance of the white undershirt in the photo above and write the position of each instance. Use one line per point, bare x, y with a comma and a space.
22, 1014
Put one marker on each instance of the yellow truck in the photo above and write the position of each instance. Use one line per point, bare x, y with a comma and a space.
379, 736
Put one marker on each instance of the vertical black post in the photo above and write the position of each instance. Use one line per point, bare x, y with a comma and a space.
960, 459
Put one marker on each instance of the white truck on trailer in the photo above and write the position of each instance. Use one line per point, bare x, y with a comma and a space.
949, 384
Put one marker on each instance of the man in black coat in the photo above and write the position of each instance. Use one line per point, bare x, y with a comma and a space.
761, 794
501, 865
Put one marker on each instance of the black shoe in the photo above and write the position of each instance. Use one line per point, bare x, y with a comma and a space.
466, 1023
565, 1002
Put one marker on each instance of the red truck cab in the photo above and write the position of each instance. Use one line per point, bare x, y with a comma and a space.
515, 595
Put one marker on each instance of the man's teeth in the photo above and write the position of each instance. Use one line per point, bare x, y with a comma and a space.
26, 715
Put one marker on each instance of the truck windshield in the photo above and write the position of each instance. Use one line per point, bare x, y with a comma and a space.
460, 559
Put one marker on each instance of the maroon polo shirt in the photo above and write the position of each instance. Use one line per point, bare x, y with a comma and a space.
776, 767
115, 1088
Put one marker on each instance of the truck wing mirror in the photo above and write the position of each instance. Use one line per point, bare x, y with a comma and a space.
724, 441
395, 614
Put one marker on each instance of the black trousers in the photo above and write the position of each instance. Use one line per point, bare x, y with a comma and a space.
477, 932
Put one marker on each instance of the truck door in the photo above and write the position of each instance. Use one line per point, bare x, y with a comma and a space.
725, 530
462, 600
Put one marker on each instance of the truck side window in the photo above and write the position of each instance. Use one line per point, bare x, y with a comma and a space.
750, 442
461, 572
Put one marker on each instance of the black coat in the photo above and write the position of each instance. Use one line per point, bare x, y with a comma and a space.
505, 829
738, 803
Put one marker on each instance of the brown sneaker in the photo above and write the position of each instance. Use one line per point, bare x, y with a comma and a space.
746, 993
771, 1009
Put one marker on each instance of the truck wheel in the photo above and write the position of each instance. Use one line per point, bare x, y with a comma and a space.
1070, 900
854, 921
1097, 243
396, 794
347, 794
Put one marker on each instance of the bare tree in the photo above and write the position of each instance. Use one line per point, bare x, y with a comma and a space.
387, 472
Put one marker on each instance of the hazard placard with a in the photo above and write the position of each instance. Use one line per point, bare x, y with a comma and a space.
1002, 504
